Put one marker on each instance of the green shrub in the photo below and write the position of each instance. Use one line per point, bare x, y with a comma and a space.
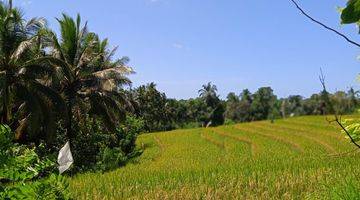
111, 159
26, 175
24, 164
94, 149
123, 148
87, 143
5, 137
54, 187
127, 133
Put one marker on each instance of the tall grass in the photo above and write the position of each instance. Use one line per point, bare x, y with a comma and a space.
298, 158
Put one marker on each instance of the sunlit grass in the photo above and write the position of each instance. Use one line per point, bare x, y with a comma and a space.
304, 157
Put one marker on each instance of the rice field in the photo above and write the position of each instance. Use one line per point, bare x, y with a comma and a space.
297, 158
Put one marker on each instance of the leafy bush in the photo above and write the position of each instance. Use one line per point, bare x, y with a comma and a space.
127, 133
5, 138
26, 175
111, 159
24, 164
86, 144
123, 147
53, 187
94, 149
90, 139
19, 162
352, 126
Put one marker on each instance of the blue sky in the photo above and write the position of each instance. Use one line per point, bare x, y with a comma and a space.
236, 44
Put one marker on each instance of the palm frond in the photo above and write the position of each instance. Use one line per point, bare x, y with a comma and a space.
69, 38
113, 78
110, 55
57, 63
57, 51
22, 48
34, 25
48, 118
33, 109
115, 72
98, 108
56, 99
121, 98
37, 70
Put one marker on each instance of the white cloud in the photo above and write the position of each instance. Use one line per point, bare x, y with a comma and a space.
26, 2
178, 45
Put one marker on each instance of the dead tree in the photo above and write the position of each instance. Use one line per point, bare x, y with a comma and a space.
324, 25
322, 78
326, 106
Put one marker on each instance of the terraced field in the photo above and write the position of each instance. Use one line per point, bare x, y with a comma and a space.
296, 158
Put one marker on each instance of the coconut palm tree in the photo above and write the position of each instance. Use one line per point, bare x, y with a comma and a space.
24, 100
208, 93
89, 78
353, 95
214, 112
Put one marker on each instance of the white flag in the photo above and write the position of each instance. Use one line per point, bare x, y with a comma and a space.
208, 124
65, 158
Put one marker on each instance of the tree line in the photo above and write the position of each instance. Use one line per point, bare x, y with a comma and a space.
161, 113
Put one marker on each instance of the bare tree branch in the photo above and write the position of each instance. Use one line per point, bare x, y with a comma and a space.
322, 79
323, 25
338, 121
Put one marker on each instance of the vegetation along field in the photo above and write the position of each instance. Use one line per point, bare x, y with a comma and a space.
297, 158
230, 106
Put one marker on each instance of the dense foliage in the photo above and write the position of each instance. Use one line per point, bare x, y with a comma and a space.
161, 113
25, 173
69, 87
55, 89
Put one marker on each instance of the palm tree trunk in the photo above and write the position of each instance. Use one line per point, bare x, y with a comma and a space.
3, 114
69, 130
6, 112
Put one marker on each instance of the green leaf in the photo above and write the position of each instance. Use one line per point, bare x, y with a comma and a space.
351, 13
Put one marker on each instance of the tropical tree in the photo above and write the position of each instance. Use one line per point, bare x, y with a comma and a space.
208, 93
25, 103
353, 95
88, 77
152, 107
341, 103
197, 110
215, 108
233, 111
295, 105
217, 116
263, 102
176, 112
245, 106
